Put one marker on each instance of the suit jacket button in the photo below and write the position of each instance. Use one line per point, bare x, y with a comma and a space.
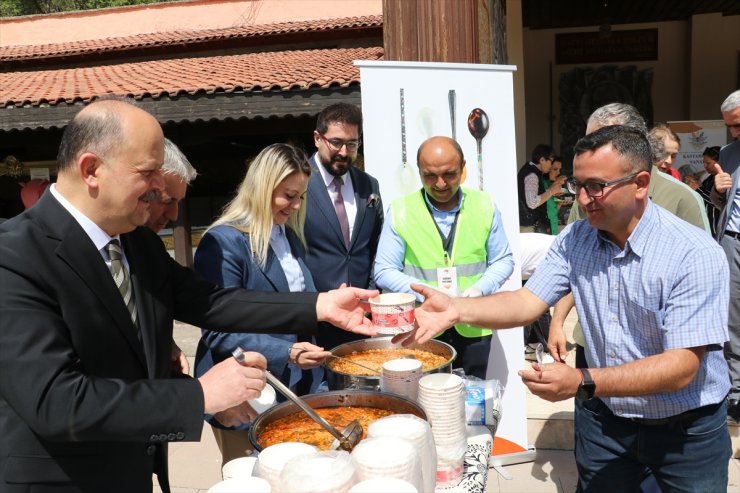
170, 436
151, 449
180, 435
163, 437
153, 438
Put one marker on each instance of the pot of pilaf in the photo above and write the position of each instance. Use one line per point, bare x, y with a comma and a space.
435, 356
287, 423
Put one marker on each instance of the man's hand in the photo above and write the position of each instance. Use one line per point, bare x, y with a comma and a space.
557, 342
345, 308
229, 383
234, 416
552, 382
435, 315
306, 355
179, 362
722, 180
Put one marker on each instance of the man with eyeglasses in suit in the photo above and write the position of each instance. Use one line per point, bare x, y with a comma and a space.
342, 225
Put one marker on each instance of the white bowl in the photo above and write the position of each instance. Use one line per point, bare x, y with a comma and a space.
241, 467
265, 401
241, 485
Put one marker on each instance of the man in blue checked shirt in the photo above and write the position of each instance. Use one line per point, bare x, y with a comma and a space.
654, 321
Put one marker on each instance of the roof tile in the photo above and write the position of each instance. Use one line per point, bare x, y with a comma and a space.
108, 45
267, 71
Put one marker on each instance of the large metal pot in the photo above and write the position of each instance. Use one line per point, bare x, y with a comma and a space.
340, 398
338, 380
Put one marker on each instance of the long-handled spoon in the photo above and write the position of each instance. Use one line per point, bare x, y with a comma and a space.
347, 438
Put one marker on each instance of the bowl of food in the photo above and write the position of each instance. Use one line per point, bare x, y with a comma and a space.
287, 423
370, 354
393, 313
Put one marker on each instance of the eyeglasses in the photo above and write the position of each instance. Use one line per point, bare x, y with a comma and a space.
337, 144
595, 189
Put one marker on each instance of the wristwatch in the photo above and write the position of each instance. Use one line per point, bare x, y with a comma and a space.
587, 388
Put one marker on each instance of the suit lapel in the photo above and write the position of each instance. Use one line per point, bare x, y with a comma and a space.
77, 251
319, 195
273, 272
361, 195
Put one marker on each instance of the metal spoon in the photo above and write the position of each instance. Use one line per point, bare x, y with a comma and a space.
375, 371
478, 126
347, 438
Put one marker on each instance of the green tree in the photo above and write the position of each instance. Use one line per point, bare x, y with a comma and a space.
11, 8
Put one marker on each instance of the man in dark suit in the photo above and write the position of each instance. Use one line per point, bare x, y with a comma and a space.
341, 250
86, 404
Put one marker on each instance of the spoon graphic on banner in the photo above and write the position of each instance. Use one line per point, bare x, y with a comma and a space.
478, 126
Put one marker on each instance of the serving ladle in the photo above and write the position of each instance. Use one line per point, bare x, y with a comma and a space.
375, 371
478, 126
347, 438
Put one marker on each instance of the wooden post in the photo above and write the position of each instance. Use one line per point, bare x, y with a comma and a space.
181, 236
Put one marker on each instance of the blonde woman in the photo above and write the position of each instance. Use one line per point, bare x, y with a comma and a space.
258, 244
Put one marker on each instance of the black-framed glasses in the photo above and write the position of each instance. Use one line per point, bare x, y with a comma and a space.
337, 144
595, 189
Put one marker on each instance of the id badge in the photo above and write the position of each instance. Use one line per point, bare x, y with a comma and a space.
447, 280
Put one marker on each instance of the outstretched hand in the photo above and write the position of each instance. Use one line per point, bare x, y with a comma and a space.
722, 180
437, 314
345, 308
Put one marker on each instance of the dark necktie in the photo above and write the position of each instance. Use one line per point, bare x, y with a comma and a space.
121, 278
341, 211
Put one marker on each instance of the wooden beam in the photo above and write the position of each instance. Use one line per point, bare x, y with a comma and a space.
200, 107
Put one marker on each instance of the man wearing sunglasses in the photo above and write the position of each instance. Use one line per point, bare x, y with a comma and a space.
653, 394
344, 213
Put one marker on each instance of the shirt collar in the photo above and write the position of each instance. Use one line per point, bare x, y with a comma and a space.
99, 237
637, 240
278, 231
326, 176
460, 198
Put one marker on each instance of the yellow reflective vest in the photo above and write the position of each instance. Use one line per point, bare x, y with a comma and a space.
425, 252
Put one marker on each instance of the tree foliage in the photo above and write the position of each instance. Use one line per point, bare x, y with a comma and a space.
12, 8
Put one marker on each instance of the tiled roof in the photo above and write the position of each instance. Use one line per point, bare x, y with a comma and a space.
268, 71
191, 37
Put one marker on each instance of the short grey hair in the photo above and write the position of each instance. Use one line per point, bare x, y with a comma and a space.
732, 102
175, 163
618, 114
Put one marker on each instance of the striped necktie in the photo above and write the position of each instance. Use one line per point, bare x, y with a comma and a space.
121, 278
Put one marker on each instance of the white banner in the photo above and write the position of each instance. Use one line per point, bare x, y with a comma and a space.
436, 98
695, 137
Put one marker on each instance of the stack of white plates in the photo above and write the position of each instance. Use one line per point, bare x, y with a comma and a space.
442, 395
241, 485
384, 485
388, 457
418, 432
241, 467
401, 376
322, 472
271, 460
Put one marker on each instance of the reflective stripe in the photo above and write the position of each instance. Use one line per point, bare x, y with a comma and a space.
431, 274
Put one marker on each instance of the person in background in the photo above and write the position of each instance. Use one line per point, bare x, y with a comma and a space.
533, 195
711, 160
665, 144
177, 173
552, 203
446, 235
653, 395
344, 211
258, 244
88, 297
726, 196
32, 191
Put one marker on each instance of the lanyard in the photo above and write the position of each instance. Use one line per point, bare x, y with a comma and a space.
448, 241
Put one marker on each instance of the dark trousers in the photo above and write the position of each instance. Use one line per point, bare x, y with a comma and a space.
472, 352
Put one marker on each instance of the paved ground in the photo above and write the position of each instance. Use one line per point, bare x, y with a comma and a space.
196, 466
